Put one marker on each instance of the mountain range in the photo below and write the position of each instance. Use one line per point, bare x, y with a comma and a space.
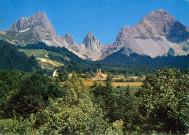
158, 34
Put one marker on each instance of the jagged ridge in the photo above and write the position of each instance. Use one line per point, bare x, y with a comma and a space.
158, 34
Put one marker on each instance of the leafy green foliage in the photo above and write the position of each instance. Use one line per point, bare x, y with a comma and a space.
19, 126
33, 104
10, 83
62, 74
165, 101
64, 119
118, 104
74, 112
26, 95
47, 108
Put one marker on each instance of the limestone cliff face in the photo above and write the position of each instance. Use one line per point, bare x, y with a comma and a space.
153, 36
37, 20
69, 39
160, 22
91, 47
92, 44
157, 23
36, 28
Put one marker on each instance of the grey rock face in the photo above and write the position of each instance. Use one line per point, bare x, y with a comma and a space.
164, 24
38, 20
153, 36
41, 30
69, 39
38, 27
91, 47
92, 44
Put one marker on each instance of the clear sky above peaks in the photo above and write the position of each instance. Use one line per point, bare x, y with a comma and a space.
104, 18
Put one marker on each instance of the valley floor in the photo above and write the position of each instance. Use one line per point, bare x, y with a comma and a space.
132, 84
137, 84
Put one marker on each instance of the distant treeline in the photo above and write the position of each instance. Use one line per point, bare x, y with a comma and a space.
120, 59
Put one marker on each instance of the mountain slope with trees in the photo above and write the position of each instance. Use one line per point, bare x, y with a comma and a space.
11, 59
59, 54
122, 58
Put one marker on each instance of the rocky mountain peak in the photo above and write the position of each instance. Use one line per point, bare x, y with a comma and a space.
41, 14
37, 20
160, 22
90, 34
153, 36
160, 12
154, 25
92, 43
89, 38
158, 15
69, 38
124, 32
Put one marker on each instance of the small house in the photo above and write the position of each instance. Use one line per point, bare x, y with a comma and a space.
100, 75
134, 78
52, 73
70, 75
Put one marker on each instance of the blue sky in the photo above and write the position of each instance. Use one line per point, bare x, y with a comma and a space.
104, 18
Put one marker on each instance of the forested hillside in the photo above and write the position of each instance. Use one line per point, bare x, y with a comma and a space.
11, 58
121, 59
65, 56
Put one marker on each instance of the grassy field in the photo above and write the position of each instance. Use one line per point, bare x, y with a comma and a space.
137, 84
132, 84
38, 53
42, 57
